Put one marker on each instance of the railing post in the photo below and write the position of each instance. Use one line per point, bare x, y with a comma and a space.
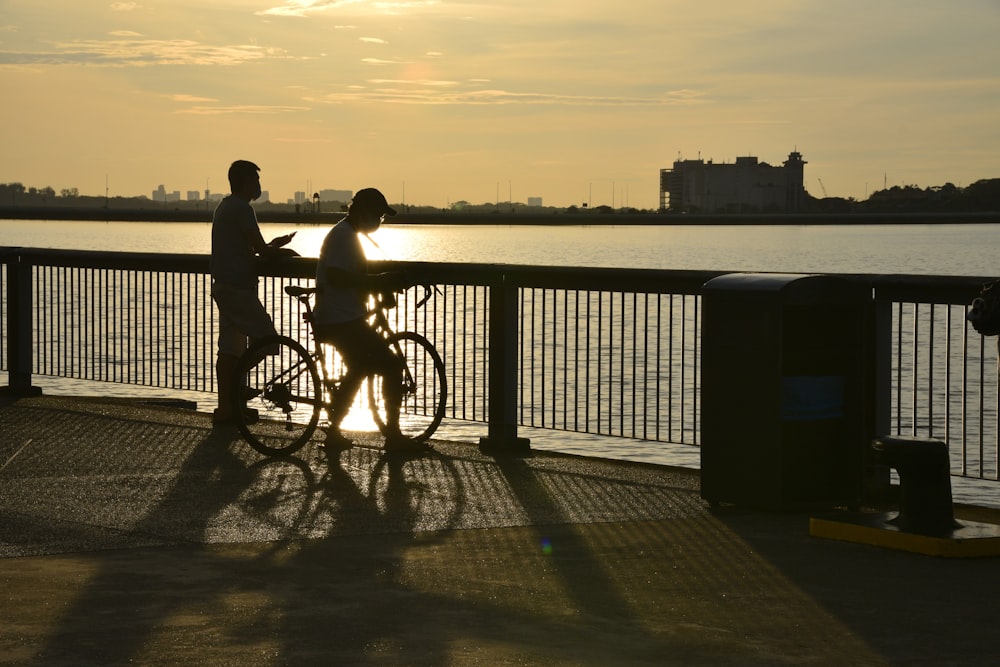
19, 335
883, 367
502, 436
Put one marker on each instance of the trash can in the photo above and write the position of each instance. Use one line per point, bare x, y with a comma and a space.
787, 390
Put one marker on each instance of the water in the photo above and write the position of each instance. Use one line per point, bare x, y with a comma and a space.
939, 249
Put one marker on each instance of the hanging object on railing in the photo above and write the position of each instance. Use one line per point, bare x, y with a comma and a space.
984, 313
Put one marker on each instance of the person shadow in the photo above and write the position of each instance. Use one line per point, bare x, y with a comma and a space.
344, 597
253, 558
134, 594
349, 559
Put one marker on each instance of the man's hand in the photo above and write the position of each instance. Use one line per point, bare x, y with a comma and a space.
280, 241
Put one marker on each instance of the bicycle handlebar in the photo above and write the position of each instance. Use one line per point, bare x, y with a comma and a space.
299, 292
428, 293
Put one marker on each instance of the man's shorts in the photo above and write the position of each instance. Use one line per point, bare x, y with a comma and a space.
241, 316
361, 347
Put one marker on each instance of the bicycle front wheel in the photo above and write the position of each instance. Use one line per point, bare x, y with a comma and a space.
425, 388
278, 394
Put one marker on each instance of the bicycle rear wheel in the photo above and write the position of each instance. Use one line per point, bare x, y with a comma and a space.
425, 388
279, 395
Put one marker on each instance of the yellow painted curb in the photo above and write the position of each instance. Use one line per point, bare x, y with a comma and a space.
972, 539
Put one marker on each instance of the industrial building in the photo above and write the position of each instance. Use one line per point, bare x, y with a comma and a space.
745, 186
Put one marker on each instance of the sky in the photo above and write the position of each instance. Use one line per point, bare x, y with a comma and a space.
434, 101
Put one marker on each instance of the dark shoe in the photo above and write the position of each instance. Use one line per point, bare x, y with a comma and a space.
250, 393
336, 441
400, 445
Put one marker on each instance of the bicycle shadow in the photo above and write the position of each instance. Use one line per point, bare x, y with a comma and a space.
383, 590
359, 559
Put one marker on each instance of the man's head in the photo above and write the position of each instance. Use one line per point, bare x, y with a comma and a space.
244, 180
368, 208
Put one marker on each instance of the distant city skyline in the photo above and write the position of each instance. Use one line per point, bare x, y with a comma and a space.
161, 193
435, 102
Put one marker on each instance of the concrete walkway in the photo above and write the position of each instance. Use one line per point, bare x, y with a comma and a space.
132, 534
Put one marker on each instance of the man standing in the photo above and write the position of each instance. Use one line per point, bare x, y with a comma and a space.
236, 242
341, 319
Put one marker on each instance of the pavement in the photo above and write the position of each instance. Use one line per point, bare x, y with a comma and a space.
138, 534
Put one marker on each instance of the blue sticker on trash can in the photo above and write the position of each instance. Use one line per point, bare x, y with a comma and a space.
812, 397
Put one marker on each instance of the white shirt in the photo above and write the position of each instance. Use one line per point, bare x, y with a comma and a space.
341, 250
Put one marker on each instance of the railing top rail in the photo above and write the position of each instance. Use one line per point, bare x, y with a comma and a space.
104, 259
923, 289
559, 277
917, 288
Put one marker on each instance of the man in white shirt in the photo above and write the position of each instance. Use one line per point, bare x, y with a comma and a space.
341, 319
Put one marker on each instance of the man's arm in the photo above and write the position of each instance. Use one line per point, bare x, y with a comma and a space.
269, 249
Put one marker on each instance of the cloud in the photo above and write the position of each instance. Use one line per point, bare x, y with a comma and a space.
404, 7
430, 93
139, 53
303, 8
382, 61
123, 6
416, 82
253, 109
181, 97
373, 40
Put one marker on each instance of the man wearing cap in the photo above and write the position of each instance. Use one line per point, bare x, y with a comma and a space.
341, 319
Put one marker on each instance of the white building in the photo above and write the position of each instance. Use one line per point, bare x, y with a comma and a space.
746, 186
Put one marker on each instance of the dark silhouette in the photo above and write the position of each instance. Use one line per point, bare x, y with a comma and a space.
343, 285
236, 242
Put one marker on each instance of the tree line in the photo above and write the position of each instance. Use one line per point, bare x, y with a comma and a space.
983, 195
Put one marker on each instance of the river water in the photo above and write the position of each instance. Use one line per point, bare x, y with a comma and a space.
933, 249
927, 249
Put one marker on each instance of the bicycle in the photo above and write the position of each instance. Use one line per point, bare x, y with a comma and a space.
285, 387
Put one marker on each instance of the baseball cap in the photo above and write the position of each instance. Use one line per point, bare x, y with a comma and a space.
372, 199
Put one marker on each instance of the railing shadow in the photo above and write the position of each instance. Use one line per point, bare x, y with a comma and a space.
361, 559
132, 597
211, 554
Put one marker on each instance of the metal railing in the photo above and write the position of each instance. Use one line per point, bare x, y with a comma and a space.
937, 377
601, 351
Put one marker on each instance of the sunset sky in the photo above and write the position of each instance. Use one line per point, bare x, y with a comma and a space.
435, 101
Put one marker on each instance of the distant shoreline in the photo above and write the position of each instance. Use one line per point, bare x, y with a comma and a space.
63, 213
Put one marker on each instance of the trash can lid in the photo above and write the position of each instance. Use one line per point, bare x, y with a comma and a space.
791, 288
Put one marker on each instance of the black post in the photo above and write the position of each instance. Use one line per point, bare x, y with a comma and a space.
502, 434
19, 336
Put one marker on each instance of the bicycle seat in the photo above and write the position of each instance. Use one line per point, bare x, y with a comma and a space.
299, 291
